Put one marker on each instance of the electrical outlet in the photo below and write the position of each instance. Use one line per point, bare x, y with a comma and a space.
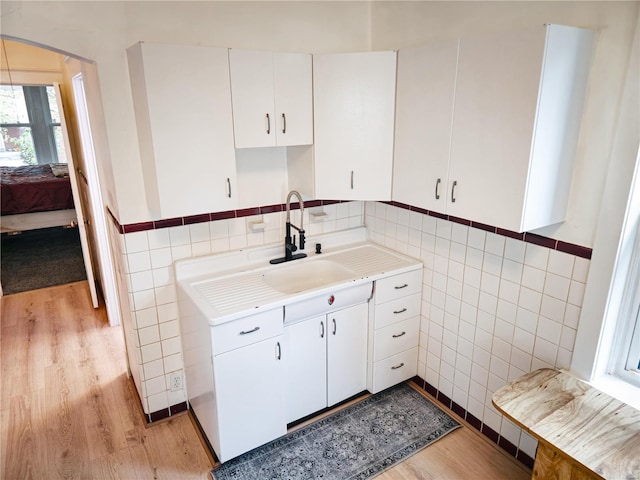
175, 379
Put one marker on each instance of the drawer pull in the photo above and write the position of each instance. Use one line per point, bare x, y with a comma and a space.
278, 351
400, 311
398, 366
247, 332
399, 335
334, 326
401, 286
322, 330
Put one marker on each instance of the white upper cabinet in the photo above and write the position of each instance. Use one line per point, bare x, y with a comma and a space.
424, 112
182, 102
272, 98
503, 153
518, 109
354, 103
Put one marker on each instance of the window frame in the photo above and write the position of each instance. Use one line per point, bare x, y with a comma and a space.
625, 354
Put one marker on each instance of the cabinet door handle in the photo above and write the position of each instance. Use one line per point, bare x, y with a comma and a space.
438, 188
400, 311
398, 287
399, 335
268, 124
247, 332
321, 329
351, 179
228, 187
453, 191
398, 366
278, 351
284, 123
334, 326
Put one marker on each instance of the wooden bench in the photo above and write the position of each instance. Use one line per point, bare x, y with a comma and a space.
582, 432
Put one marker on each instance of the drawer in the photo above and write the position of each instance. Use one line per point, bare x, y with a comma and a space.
396, 369
329, 302
396, 338
397, 310
246, 330
398, 286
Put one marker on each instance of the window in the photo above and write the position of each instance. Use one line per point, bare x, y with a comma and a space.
626, 355
624, 359
30, 126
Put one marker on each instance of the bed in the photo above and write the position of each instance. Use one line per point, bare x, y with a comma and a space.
35, 196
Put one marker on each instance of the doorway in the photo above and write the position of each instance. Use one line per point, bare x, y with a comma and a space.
40, 65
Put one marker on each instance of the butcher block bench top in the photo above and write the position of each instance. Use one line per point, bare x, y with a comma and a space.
577, 420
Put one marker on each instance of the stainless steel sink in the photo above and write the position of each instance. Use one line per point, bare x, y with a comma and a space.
302, 276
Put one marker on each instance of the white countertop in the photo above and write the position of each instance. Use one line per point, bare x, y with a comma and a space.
229, 286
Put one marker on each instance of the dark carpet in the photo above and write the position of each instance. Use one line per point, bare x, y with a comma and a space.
358, 442
41, 258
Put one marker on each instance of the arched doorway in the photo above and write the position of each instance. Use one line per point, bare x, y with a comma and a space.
76, 82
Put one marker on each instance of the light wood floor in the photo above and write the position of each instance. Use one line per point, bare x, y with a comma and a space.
68, 411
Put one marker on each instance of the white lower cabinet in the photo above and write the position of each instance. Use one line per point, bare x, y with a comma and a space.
250, 396
326, 360
395, 330
306, 364
346, 353
247, 378
248, 384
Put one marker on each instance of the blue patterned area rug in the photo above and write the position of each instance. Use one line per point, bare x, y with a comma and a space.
358, 442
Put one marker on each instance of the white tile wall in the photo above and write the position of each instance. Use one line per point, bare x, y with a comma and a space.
147, 271
493, 308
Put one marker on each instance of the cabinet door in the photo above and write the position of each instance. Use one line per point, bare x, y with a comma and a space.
254, 119
293, 98
354, 99
495, 109
424, 111
250, 396
347, 353
305, 359
182, 102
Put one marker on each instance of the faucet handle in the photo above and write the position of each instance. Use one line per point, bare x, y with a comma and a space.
293, 244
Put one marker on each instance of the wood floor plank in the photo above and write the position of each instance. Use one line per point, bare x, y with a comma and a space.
68, 409
115, 466
66, 437
25, 437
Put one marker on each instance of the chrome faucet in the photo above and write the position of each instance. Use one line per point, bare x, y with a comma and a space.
289, 242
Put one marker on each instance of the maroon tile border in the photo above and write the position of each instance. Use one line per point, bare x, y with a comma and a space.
205, 217
137, 227
212, 216
248, 212
167, 412
510, 234
577, 250
474, 422
570, 248
223, 215
271, 208
168, 222
540, 240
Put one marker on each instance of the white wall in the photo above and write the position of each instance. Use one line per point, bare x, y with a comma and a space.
403, 24
606, 286
101, 31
